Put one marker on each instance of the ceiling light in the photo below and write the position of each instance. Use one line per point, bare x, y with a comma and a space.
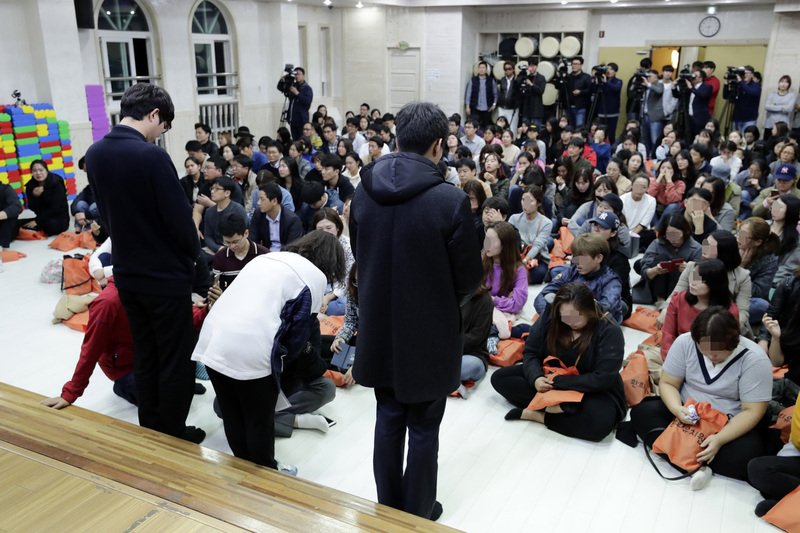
711, 10
133, 12
327, 2
563, 2
614, 1
108, 12
359, 5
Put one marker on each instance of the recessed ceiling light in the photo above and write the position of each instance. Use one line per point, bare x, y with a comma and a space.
614, 1
563, 2
327, 2
108, 12
359, 5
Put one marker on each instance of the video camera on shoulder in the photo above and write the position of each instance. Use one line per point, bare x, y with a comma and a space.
732, 73
288, 80
599, 72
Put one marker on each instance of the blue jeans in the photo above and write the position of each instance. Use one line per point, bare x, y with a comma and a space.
611, 127
337, 307
741, 125
90, 210
745, 211
650, 132
472, 368
671, 208
576, 116
536, 275
758, 306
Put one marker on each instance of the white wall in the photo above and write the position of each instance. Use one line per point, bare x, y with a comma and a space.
679, 25
314, 19
364, 49
442, 27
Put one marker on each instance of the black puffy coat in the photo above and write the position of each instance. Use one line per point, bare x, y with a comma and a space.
418, 260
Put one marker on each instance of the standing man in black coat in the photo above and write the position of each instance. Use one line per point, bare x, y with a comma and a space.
579, 86
507, 101
418, 260
531, 88
155, 247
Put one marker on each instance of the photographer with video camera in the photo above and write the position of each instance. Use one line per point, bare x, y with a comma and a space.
695, 95
293, 85
531, 86
743, 91
653, 116
606, 90
636, 89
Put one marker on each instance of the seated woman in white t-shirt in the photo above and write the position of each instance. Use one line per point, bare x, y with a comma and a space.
713, 363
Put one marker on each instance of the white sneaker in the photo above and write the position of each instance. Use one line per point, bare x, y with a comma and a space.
287, 469
701, 478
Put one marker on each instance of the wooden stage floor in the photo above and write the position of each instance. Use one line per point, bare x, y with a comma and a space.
76, 470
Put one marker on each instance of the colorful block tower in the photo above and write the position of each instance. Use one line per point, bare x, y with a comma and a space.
9, 165
37, 134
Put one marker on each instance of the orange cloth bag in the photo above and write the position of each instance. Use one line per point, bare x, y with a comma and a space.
786, 514
25, 234
330, 325
555, 397
87, 240
636, 379
681, 443
66, 241
10, 255
566, 237
784, 423
76, 278
336, 377
78, 322
509, 351
643, 319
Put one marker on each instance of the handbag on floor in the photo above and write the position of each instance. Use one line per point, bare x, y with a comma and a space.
636, 379
785, 514
681, 443
553, 396
76, 278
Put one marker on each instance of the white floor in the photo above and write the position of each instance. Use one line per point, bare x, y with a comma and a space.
493, 475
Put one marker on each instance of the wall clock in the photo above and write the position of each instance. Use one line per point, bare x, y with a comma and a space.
709, 26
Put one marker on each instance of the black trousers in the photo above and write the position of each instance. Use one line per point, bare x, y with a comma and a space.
414, 490
730, 461
51, 226
163, 340
125, 388
8, 231
248, 414
592, 419
775, 477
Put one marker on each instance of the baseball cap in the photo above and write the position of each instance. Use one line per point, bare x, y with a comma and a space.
786, 172
607, 220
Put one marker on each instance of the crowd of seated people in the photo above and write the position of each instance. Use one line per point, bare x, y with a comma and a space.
709, 223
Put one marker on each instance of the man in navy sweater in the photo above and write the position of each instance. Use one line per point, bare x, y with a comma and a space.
155, 247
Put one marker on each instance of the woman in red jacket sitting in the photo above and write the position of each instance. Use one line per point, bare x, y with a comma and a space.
708, 287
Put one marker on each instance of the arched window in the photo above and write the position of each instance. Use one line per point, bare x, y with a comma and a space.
126, 43
217, 80
212, 51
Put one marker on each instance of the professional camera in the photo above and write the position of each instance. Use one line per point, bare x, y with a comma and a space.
687, 74
733, 72
18, 97
599, 72
522, 77
563, 68
288, 79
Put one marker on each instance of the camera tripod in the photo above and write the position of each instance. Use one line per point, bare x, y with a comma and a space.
599, 95
726, 117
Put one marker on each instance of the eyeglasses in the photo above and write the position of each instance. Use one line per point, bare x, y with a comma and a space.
232, 243
508, 69
217, 189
